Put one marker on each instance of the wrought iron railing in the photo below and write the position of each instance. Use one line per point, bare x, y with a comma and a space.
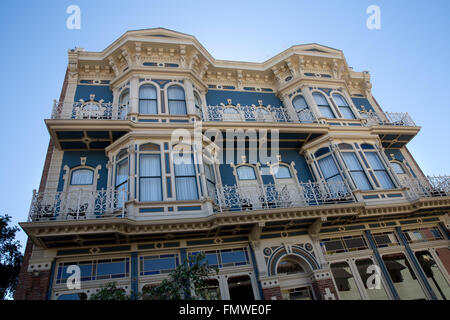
255, 113
387, 119
76, 205
267, 196
434, 186
91, 110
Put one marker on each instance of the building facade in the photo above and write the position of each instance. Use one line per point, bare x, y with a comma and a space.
287, 174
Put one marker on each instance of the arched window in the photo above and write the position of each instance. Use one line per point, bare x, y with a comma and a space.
150, 186
82, 177
123, 104
323, 105
281, 172
289, 265
343, 106
177, 103
398, 168
299, 103
185, 178
246, 173
379, 169
148, 101
354, 166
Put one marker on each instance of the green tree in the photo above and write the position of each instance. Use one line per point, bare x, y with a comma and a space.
190, 276
110, 291
10, 258
188, 281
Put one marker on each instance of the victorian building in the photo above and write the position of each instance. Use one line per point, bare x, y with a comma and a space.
287, 174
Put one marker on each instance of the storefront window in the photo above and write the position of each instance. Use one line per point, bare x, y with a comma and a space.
345, 281
434, 275
369, 272
403, 277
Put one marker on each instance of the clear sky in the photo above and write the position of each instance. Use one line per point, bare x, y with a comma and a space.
408, 60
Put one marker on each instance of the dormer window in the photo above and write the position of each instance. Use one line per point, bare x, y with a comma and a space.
177, 102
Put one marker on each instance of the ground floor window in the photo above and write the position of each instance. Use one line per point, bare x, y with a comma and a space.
374, 287
240, 288
434, 275
303, 293
404, 279
345, 281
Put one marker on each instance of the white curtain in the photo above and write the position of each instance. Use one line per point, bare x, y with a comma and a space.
246, 173
328, 167
122, 172
282, 172
185, 181
148, 100
150, 177
299, 103
82, 177
177, 103
380, 170
320, 99
356, 170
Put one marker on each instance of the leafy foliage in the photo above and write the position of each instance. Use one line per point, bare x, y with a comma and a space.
189, 277
110, 291
10, 258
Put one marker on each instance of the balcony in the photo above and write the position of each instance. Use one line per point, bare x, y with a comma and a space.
387, 119
269, 196
91, 110
429, 187
77, 205
254, 113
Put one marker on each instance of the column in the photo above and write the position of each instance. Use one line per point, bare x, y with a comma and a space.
289, 107
134, 95
323, 285
189, 92
134, 276
310, 100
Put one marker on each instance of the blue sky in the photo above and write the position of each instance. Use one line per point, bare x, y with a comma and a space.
408, 60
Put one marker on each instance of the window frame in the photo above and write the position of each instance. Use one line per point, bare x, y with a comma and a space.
156, 152
169, 99
148, 84
343, 106
328, 105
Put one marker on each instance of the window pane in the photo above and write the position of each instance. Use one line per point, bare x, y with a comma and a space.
340, 101
347, 113
326, 112
186, 188
398, 169
175, 93
150, 189
367, 276
345, 282
122, 172
148, 107
150, 165
299, 103
177, 107
375, 161
147, 92
403, 277
434, 275
282, 172
320, 99
384, 179
184, 165
328, 167
246, 173
82, 177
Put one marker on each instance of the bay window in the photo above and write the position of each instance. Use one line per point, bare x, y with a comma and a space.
148, 101
378, 167
177, 102
323, 105
150, 188
343, 106
185, 178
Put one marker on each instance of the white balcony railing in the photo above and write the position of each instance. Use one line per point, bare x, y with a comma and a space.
76, 205
91, 110
387, 119
435, 186
235, 198
242, 113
